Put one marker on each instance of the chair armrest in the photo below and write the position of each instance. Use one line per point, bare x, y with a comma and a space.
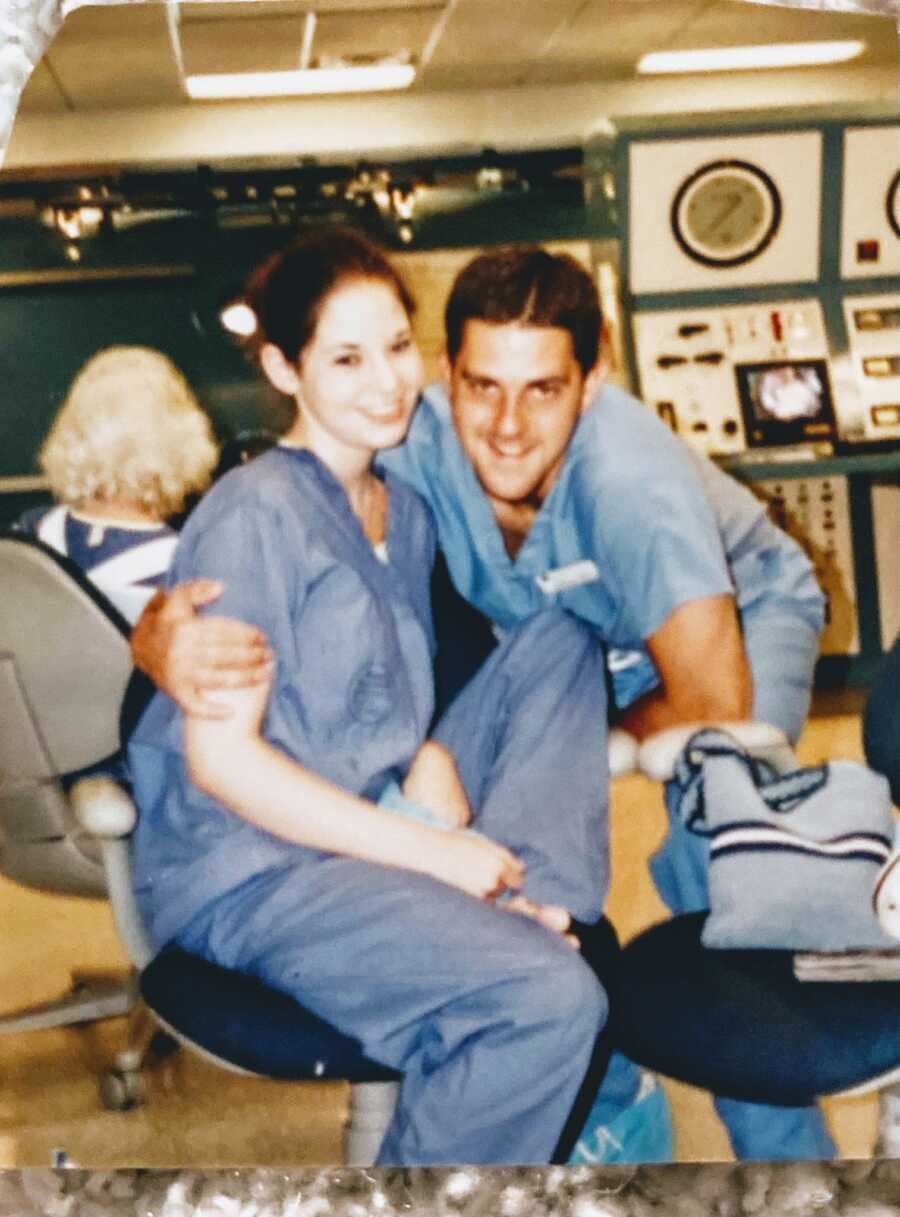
659, 753
105, 811
103, 808
622, 751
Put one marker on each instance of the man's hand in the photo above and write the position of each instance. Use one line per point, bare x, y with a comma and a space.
189, 657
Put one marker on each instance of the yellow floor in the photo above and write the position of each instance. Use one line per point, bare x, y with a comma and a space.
197, 1115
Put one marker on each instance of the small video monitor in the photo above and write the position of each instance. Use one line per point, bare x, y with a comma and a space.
787, 401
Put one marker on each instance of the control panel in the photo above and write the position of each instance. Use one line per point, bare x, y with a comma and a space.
724, 211
873, 333
735, 377
816, 513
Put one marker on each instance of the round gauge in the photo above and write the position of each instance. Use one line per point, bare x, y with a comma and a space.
893, 203
726, 213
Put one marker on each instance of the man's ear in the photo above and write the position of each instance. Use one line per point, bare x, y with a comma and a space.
593, 382
281, 374
445, 367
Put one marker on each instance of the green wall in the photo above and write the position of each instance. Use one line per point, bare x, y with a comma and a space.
162, 284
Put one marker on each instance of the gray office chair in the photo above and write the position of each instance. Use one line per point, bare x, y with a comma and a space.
55, 643
64, 667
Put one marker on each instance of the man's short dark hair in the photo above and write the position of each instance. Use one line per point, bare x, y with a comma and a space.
531, 286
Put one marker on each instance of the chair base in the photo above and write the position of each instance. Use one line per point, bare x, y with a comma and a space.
121, 1086
93, 996
371, 1111
888, 1145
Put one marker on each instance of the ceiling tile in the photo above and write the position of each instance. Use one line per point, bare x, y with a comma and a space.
486, 44
482, 31
88, 54
246, 44
42, 94
272, 41
211, 10
379, 33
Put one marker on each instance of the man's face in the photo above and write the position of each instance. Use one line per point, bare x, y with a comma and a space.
516, 392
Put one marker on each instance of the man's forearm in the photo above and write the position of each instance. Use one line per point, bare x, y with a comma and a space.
663, 708
703, 669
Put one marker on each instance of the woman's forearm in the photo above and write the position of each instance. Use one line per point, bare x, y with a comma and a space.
261, 784
232, 761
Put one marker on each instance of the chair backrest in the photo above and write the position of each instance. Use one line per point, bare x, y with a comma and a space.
64, 666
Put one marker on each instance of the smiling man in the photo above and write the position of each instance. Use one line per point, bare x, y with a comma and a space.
549, 487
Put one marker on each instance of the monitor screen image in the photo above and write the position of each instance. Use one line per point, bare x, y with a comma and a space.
785, 392
788, 401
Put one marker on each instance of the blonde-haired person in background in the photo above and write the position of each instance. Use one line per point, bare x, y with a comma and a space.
128, 446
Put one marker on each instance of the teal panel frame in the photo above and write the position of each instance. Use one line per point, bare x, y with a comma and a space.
830, 289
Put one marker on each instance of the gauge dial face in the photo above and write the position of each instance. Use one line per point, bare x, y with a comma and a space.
726, 213
893, 203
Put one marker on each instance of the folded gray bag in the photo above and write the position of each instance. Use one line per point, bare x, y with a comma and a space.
793, 858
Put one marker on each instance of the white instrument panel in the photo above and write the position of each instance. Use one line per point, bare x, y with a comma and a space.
873, 332
870, 218
816, 513
687, 361
886, 522
724, 211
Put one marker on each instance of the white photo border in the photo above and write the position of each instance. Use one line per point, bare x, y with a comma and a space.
27, 28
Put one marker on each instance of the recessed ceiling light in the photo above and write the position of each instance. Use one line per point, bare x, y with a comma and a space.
738, 58
366, 78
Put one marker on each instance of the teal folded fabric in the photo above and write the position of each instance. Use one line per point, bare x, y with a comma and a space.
393, 799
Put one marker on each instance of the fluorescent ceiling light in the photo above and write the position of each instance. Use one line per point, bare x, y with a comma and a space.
737, 58
366, 78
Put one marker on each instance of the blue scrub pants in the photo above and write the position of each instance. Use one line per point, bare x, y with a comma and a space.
491, 1018
782, 649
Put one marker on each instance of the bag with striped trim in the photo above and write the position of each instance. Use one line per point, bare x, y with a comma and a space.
793, 858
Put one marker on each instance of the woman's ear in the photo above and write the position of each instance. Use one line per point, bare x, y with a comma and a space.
281, 374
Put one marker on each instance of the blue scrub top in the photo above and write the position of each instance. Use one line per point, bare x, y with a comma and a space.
662, 526
352, 695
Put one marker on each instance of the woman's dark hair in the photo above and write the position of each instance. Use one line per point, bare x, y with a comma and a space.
531, 286
288, 290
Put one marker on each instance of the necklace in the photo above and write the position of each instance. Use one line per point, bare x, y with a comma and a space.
373, 508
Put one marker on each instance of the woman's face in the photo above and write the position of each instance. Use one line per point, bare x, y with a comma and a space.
358, 378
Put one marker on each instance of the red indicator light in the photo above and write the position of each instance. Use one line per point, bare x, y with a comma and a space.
867, 251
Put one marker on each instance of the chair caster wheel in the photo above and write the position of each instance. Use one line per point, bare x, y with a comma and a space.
120, 1089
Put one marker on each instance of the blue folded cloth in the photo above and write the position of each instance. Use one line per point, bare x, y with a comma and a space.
793, 858
392, 798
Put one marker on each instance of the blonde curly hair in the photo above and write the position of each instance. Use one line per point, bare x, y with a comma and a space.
130, 429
